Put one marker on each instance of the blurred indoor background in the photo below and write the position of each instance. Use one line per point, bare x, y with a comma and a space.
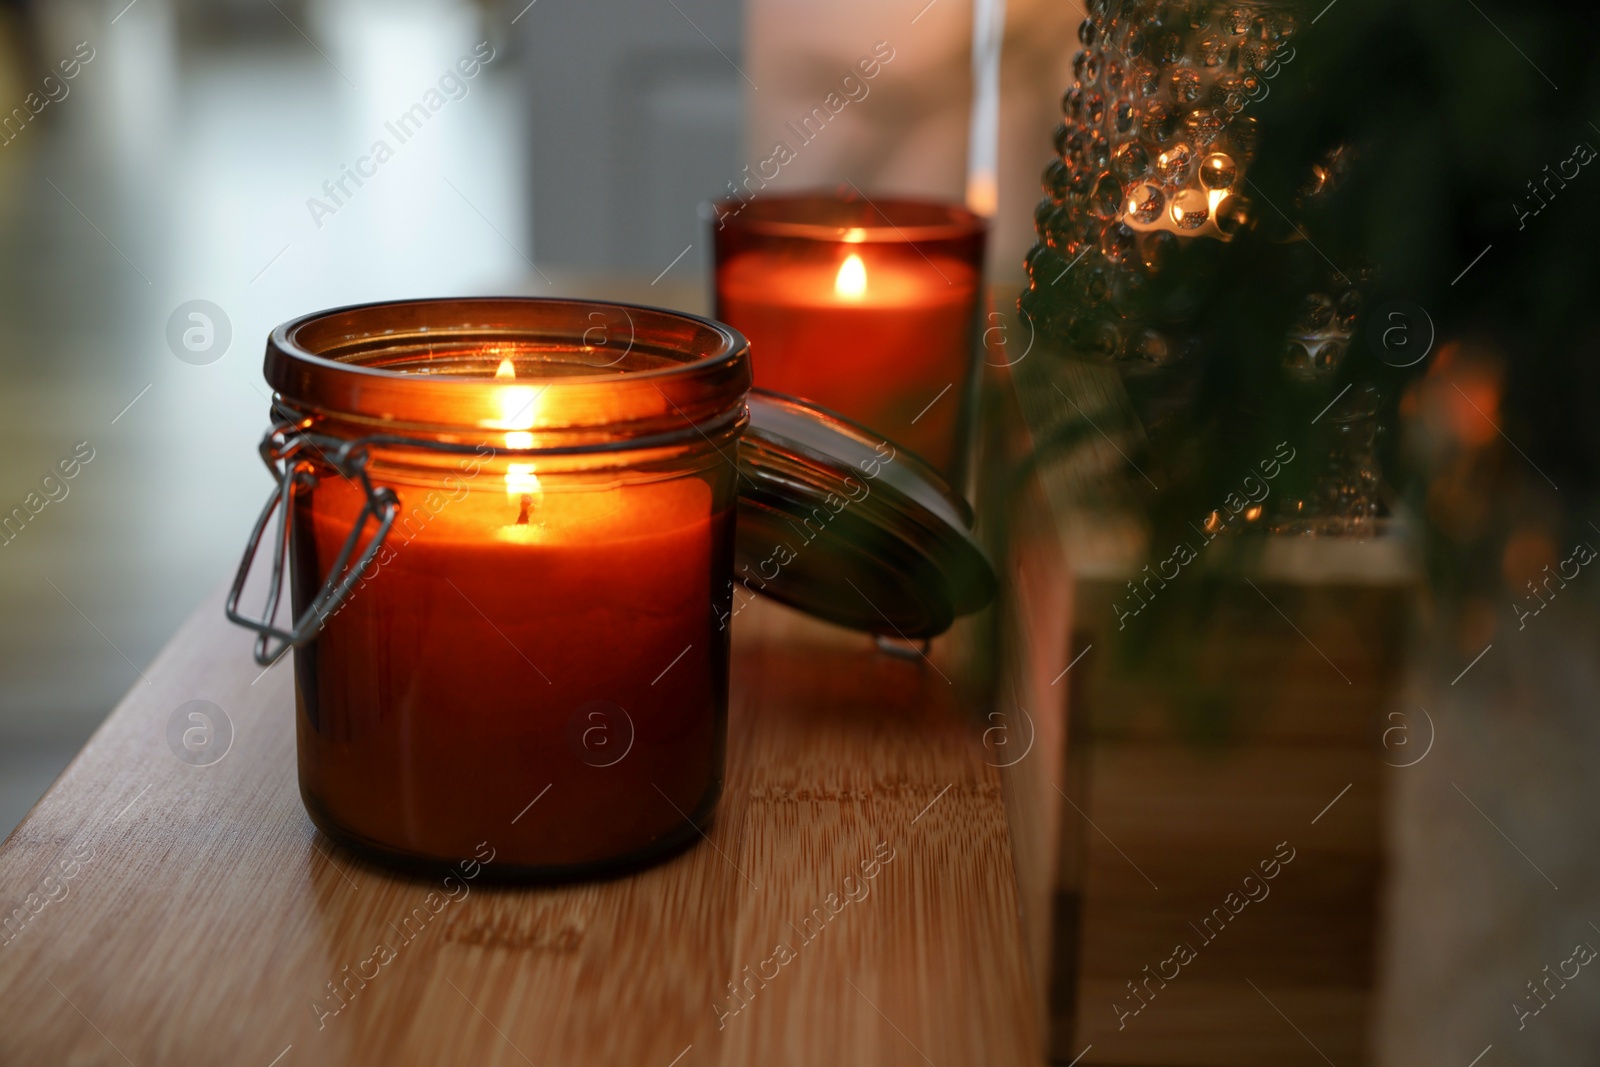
197, 155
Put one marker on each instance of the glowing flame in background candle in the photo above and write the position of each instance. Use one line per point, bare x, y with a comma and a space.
516, 409
851, 282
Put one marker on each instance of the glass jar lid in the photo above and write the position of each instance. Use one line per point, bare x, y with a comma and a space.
842, 524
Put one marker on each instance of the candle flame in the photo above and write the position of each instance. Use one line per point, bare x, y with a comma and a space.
520, 480
522, 489
851, 282
518, 406
516, 409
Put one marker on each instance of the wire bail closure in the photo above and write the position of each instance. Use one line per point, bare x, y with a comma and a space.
286, 443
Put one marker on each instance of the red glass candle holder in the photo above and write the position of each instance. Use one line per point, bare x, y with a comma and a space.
865, 307
538, 502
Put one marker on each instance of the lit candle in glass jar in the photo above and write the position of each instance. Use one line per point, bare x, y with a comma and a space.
533, 657
865, 308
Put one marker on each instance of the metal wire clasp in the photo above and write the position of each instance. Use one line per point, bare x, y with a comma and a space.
287, 444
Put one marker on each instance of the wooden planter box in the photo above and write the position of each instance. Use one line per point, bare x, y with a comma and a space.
1146, 827
1257, 851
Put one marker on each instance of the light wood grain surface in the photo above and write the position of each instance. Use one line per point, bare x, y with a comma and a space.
178, 914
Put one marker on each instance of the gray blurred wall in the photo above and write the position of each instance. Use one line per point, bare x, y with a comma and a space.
635, 115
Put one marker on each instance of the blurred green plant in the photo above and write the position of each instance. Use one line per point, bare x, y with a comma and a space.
1465, 192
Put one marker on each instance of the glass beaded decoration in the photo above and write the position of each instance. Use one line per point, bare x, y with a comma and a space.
1153, 151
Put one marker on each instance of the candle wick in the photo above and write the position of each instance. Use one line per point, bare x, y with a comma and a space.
522, 516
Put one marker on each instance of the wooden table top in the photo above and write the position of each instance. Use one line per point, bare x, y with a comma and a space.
155, 912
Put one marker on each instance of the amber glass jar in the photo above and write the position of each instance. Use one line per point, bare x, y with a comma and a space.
530, 655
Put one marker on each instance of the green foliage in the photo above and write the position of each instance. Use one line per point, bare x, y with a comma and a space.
1448, 124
